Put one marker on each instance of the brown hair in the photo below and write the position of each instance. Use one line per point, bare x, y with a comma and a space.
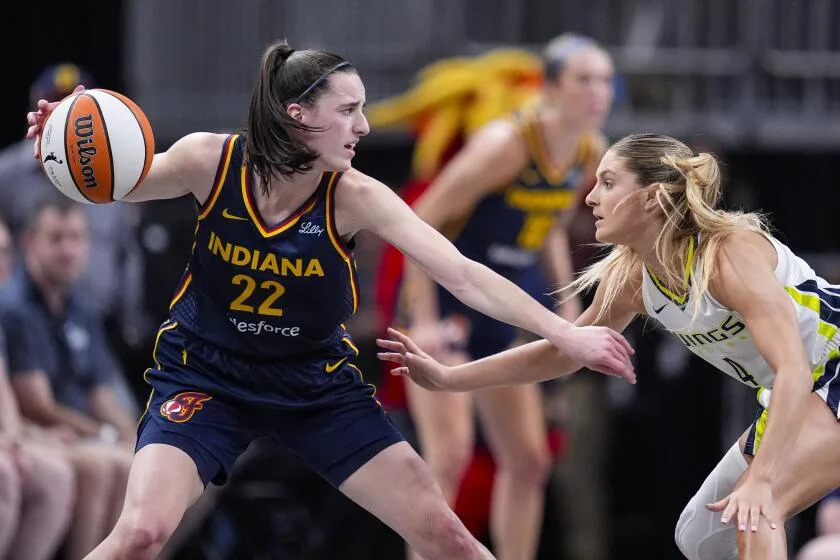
286, 76
688, 190
52, 201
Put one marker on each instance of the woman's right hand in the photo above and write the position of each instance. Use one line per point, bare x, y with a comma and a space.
599, 349
414, 362
38, 117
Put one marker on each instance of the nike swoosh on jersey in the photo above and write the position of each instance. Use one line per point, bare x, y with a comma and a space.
226, 214
332, 367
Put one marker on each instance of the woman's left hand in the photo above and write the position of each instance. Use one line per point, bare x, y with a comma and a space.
748, 503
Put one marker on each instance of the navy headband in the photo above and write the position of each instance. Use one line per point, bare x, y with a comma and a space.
319, 80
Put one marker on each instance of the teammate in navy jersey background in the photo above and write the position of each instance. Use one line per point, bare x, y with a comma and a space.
254, 345
506, 200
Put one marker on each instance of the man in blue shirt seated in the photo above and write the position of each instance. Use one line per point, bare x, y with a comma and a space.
37, 486
62, 373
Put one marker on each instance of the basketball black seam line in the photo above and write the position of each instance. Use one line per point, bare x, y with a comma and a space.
67, 152
108, 141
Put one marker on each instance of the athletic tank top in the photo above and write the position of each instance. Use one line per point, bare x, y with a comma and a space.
507, 228
266, 291
719, 335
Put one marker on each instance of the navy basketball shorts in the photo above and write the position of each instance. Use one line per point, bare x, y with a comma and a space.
826, 386
212, 404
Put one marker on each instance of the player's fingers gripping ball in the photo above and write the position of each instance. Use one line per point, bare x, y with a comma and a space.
96, 146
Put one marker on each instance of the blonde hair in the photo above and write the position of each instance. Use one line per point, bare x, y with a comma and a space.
688, 192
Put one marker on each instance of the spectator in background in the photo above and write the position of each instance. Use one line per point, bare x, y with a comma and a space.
60, 370
112, 282
826, 545
36, 483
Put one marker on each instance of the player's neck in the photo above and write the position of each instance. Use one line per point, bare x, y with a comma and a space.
285, 195
558, 124
561, 138
644, 245
673, 268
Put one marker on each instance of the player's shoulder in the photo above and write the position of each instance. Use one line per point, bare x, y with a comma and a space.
357, 184
745, 260
200, 144
501, 142
745, 247
197, 152
501, 133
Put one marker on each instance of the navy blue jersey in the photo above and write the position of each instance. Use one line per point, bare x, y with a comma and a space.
507, 228
266, 291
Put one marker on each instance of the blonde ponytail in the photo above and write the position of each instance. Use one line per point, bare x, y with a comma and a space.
688, 192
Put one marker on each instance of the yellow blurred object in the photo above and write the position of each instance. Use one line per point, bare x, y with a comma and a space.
67, 76
452, 98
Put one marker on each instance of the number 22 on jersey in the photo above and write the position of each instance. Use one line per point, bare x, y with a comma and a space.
269, 292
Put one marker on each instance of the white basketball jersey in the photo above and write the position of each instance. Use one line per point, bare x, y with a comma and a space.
719, 335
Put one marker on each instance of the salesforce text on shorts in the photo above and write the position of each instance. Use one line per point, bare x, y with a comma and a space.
263, 327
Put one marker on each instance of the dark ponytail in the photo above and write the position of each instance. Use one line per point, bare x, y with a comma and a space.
286, 76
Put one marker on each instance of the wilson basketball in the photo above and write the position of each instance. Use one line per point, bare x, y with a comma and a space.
96, 146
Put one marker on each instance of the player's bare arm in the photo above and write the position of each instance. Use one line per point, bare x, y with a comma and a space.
529, 363
491, 158
746, 282
364, 203
188, 166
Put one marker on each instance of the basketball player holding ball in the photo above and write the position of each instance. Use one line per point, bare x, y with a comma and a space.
255, 346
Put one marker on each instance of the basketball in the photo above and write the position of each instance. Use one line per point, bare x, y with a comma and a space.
96, 146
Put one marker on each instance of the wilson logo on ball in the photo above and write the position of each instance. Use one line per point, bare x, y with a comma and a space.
84, 132
98, 146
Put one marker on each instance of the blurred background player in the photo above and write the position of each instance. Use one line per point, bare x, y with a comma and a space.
451, 100
506, 199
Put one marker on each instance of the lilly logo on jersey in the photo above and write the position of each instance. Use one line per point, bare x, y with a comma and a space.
311, 229
182, 406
